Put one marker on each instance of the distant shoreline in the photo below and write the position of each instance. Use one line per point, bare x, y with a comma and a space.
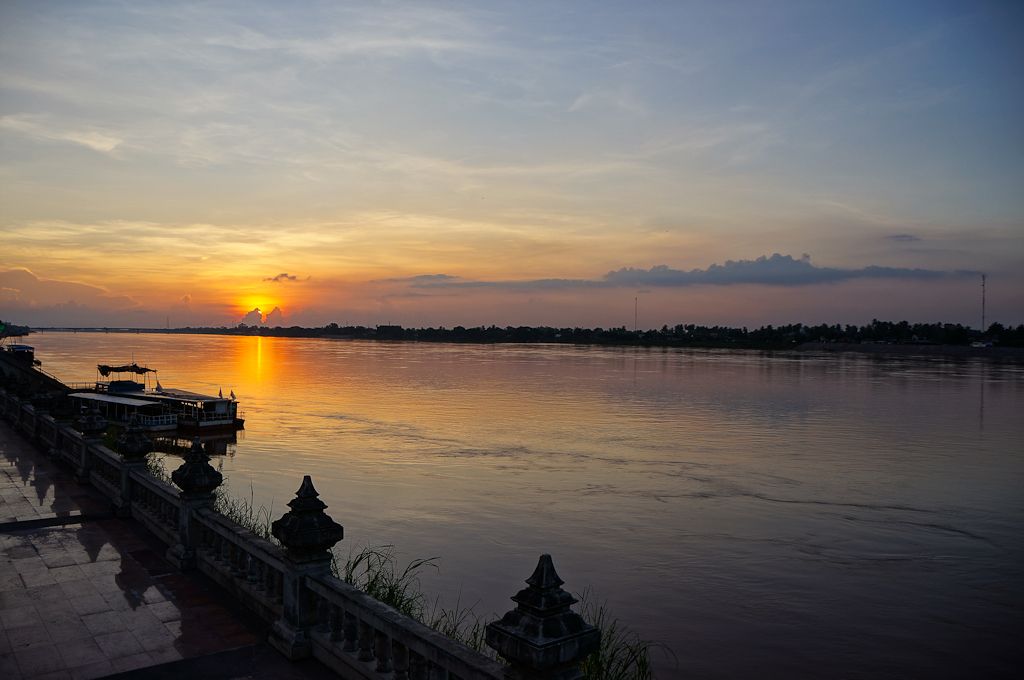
883, 348
919, 350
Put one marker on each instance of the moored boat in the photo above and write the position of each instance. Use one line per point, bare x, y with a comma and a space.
158, 408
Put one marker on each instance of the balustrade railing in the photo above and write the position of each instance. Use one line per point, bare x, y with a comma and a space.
47, 432
361, 637
105, 472
250, 567
70, 445
27, 419
156, 504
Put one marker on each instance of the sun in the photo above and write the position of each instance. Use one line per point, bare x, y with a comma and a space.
264, 302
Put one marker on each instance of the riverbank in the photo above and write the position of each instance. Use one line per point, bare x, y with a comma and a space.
916, 350
771, 339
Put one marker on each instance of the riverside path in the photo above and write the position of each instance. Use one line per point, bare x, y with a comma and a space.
84, 594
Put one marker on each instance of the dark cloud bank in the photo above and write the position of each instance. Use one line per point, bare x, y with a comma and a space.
284, 277
774, 270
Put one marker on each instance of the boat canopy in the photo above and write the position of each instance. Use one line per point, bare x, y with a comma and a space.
183, 395
127, 368
125, 401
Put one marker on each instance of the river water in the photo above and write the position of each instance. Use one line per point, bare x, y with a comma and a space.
769, 515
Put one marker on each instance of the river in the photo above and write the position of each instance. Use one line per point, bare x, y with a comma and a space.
769, 515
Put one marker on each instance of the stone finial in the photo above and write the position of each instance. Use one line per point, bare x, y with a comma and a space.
133, 444
91, 423
306, 530
196, 476
542, 637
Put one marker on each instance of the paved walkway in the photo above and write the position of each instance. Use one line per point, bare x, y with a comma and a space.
86, 595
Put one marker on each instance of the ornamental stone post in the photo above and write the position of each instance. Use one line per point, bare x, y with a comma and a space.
197, 480
133, 445
307, 534
542, 638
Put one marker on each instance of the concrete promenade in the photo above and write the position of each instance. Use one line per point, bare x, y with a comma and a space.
84, 594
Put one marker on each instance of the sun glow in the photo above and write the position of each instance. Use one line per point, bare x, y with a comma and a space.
251, 302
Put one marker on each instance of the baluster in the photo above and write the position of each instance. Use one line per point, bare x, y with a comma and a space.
254, 567
278, 586
351, 628
365, 642
323, 614
400, 656
335, 622
268, 581
417, 667
234, 557
382, 648
436, 672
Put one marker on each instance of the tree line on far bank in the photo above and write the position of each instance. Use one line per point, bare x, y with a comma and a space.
680, 335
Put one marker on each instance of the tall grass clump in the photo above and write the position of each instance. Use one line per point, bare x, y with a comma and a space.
623, 654
374, 570
461, 624
246, 513
156, 466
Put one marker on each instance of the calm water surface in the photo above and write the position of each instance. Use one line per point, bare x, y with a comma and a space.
770, 515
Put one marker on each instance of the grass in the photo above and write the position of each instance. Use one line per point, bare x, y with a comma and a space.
623, 654
461, 624
374, 570
156, 466
246, 513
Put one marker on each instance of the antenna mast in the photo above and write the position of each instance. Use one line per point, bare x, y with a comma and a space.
982, 303
635, 305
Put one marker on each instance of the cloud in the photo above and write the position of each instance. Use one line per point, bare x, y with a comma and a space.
23, 288
253, 318
275, 317
421, 279
283, 277
903, 238
38, 301
774, 270
38, 128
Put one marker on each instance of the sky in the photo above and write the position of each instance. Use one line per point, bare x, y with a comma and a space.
529, 163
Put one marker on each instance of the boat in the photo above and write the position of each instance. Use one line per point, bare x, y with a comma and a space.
157, 408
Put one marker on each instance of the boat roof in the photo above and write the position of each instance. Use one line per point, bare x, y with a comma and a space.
127, 401
179, 395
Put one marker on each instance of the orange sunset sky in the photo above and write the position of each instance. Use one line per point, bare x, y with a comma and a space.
538, 163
